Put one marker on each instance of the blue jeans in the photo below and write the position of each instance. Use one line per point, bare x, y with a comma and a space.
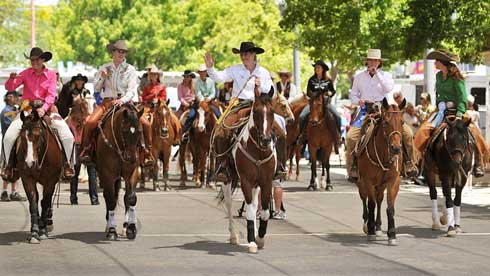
189, 120
216, 111
92, 183
440, 115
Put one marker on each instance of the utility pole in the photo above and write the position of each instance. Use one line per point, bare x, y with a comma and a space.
33, 25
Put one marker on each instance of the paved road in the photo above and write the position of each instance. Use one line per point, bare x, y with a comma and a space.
184, 232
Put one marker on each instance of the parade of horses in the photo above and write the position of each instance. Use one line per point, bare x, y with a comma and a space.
238, 169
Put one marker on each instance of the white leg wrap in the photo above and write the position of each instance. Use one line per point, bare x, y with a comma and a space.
132, 215
457, 215
265, 214
111, 222
450, 217
435, 212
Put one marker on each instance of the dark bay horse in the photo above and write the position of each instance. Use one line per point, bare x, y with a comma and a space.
293, 131
451, 157
39, 160
117, 158
379, 170
255, 162
163, 137
199, 144
320, 136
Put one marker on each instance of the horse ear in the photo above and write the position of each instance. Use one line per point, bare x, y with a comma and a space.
125, 114
385, 103
403, 104
271, 92
22, 116
168, 102
140, 113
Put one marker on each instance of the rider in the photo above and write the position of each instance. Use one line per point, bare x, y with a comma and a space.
39, 84
155, 91
369, 87
75, 87
450, 87
320, 84
285, 86
246, 77
206, 88
118, 82
187, 96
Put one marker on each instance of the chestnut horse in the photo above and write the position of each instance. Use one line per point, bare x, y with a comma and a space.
255, 163
319, 136
450, 157
199, 142
39, 160
117, 157
379, 170
163, 137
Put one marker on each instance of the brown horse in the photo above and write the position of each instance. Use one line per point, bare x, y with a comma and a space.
293, 131
255, 162
379, 170
199, 144
319, 136
117, 157
39, 160
163, 137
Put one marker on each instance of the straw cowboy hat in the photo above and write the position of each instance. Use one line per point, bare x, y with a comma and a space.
443, 55
118, 45
153, 69
79, 77
284, 71
36, 52
322, 64
202, 68
248, 47
374, 54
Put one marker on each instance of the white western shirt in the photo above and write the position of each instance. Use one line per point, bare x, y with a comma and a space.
371, 89
239, 74
121, 81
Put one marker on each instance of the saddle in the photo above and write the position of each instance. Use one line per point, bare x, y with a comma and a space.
370, 118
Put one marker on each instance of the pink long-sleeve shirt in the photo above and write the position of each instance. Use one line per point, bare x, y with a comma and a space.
36, 87
185, 94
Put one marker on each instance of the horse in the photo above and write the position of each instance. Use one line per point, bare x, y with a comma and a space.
163, 137
199, 144
39, 160
380, 163
117, 157
293, 131
320, 135
450, 156
254, 161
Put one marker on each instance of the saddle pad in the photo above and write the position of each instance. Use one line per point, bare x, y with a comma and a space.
364, 140
437, 132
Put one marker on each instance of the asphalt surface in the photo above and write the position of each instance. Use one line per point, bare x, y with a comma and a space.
184, 232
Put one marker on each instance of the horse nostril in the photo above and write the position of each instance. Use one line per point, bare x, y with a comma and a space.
290, 120
395, 150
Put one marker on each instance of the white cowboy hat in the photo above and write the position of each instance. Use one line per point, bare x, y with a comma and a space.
374, 54
202, 68
153, 69
118, 45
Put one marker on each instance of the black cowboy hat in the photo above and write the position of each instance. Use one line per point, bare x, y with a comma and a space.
443, 55
79, 77
189, 73
13, 93
37, 52
321, 63
248, 47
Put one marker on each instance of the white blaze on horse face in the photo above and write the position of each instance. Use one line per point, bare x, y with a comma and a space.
200, 123
30, 153
264, 110
132, 130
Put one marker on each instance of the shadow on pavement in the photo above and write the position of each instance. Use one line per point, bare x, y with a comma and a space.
211, 247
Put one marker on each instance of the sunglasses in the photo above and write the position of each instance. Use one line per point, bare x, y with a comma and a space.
120, 51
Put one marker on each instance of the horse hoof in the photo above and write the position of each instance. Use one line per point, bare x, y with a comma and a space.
365, 228
50, 227
379, 233
329, 187
436, 227
131, 231
392, 242
260, 242
458, 229
43, 236
297, 178
371, 237
311, 188
451, 232
252, 248
443, 219
111, 234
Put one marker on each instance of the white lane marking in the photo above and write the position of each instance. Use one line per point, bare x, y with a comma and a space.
359, 234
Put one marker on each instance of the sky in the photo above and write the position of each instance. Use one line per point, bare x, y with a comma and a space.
45, 2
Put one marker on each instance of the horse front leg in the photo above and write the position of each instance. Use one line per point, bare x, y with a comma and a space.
431, 183
165, 169
251, 205
183, 170
265, 199
457, 206
379, 202
371, 224
326, 166
154, 174
130, 200
46, 210
110, 201
298, 157
446, 189
313, 180
228, 205
390, 210
32, 196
